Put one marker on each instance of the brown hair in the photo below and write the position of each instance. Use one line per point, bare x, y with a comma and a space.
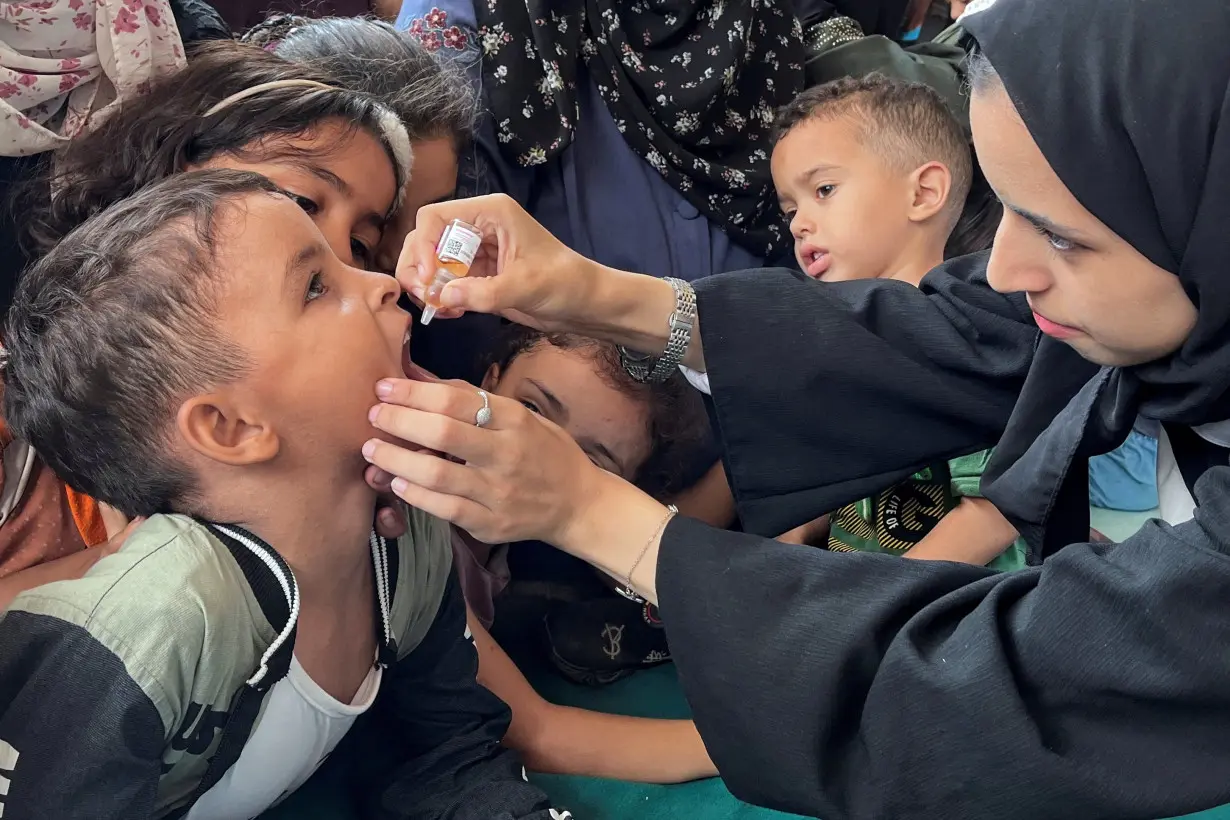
679, 431
113, 327
155, 136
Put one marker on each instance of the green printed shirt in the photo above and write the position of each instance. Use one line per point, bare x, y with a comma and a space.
898, 518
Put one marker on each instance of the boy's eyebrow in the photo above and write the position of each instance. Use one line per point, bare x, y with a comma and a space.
557, 406
1044, 224
299, 266
815, 169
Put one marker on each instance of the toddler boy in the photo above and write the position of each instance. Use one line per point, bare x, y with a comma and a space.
873, 174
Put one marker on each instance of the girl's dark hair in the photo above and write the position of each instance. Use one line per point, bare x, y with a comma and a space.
679, 431
433, 98
166, 132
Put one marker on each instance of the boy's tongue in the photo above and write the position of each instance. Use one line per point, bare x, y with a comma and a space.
413, 371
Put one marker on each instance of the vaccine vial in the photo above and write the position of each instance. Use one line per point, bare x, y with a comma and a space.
455, 254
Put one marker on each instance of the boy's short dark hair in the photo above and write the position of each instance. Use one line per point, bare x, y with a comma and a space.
907, 124
112, 329
679, 433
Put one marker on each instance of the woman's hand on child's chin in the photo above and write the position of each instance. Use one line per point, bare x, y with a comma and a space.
520, 477
521, 272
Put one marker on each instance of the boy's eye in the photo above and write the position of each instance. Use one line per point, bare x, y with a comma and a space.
309, 206
316, 288
825, 191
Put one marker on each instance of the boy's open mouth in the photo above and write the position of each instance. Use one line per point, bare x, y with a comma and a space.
407, 366
815, 262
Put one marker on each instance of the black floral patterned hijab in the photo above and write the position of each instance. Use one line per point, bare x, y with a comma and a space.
693, 85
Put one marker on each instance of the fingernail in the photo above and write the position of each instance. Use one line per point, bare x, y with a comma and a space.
423, 274
384, 389
373, 414
399, 485
369, 448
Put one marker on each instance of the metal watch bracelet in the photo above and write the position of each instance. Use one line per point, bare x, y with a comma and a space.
647, 369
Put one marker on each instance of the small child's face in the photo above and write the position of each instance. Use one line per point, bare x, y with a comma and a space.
318, 333
848, 208
434, 180
563, 386
341, 177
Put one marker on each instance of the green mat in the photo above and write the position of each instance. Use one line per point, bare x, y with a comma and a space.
654, 693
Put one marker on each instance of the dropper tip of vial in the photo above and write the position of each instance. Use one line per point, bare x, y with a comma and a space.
428, 313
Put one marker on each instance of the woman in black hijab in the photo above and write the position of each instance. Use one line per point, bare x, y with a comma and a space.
1095, 684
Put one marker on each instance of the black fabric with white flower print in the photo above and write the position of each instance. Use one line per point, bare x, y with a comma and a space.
693, 85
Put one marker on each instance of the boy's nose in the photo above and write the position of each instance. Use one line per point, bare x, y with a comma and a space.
800, 226
383, 288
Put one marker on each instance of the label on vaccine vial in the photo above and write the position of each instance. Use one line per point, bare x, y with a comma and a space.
458, 244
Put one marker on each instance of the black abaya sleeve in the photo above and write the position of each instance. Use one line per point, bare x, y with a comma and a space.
861, 685
826, 393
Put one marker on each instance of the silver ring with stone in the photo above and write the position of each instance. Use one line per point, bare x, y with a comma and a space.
483, 417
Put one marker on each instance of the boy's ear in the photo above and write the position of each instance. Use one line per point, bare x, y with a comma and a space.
491, 378
932, 184
218, 428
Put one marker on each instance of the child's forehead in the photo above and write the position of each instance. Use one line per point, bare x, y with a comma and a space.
260, 235
822, 141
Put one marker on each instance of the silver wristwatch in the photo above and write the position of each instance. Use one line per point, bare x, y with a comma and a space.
647, 369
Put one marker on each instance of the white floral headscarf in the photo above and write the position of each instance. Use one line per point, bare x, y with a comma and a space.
64, 62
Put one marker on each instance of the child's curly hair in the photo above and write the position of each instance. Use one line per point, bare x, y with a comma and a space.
680, 436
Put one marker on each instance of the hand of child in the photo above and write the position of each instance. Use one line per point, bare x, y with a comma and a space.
956, 8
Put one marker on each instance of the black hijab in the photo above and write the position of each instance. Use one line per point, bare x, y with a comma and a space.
1128, 100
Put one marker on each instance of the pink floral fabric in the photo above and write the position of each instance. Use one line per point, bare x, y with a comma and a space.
434, 31
63, 63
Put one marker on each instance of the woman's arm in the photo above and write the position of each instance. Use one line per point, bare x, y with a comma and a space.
823, 394
1084, 677
564, 740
